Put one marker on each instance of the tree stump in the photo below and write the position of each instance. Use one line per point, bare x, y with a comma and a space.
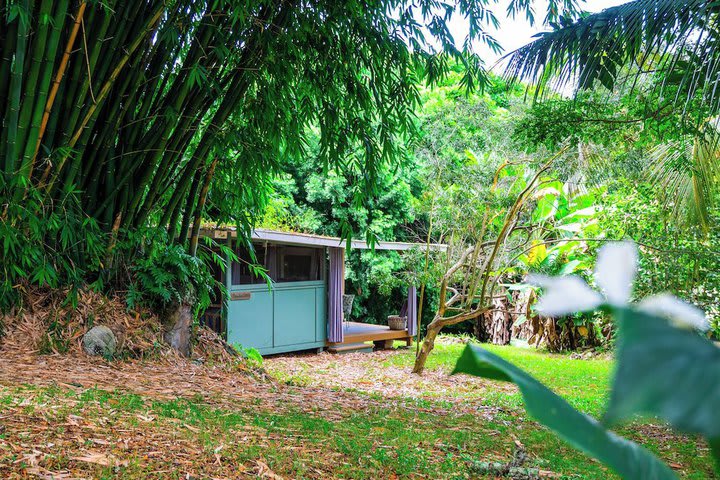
177, 327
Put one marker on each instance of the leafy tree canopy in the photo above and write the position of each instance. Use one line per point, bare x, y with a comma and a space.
132, 107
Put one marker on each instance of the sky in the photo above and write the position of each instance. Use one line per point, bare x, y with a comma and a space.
514, 33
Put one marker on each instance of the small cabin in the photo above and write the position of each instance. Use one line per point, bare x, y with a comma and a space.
302, 308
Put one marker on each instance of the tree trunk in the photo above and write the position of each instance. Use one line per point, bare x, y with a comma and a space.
427, 346
480, 329
177, 327
500, 324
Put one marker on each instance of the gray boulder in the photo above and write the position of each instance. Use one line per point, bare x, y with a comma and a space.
100, 340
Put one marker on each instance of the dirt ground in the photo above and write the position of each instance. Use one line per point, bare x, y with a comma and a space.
35, 428
223, 385
376, 374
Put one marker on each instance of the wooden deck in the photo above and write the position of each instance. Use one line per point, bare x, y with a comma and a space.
357, 334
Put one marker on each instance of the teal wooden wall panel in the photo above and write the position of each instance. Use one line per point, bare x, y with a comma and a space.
250, 322
321, 307
295, 316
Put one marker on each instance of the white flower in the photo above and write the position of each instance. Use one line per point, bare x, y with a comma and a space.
669, 306
563, 295
614, 274
615, 271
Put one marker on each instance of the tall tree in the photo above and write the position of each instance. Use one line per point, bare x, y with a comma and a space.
131, 102
120, 113
671, 45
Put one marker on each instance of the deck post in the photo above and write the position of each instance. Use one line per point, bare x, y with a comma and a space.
228, 266
384, 344
336, 283
225, 305
412, 318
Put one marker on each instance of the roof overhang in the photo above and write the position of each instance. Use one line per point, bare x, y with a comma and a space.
311, 240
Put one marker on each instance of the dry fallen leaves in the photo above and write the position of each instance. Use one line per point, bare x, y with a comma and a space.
263, 471
99, 458
105, 438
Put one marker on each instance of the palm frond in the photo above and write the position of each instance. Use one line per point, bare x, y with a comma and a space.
687, 173
678, 37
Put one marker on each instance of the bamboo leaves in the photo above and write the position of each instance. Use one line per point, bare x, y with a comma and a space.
125, 102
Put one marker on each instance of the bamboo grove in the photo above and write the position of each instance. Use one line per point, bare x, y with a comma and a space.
139, 111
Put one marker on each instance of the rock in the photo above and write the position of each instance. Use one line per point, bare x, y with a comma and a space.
100, 340
586, 355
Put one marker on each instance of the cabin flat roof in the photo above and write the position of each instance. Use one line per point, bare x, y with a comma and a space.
308, 239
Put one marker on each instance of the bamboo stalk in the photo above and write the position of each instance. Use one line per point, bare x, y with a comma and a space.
75, 99
101, 96
8, 36
173, 216
103, 157
39, 42
17, 69
108, 124
82, 98
237, 87
5, 75
48, 63
87, 62
182, 135
56, 83
190, 205
182, 98
113, 240
201, 206
114, 75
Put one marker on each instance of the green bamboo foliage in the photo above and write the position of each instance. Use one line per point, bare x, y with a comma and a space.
124, 103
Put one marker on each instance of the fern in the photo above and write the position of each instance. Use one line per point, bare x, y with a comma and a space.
164, 273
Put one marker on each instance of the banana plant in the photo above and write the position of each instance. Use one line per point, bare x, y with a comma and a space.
665, 369
562, 220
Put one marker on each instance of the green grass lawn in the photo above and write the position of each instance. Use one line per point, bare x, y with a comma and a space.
313, 431
584, 383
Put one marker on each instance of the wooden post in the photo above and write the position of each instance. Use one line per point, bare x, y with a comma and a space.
335, 287
228, 265
343, 272
324, 265
225, 305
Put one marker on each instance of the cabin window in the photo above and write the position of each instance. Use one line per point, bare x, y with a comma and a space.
242, 273
282, 264
298, 264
